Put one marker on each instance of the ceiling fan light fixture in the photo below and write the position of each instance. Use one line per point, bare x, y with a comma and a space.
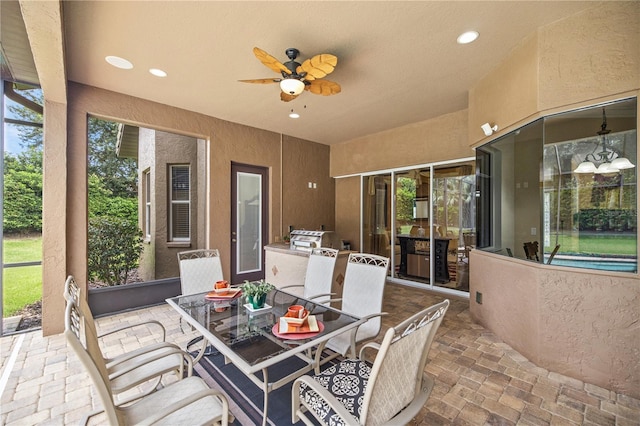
292, 86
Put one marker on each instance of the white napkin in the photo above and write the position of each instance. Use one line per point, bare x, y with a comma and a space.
285, 327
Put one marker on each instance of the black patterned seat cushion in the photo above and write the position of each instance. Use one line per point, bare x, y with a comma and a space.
347, 381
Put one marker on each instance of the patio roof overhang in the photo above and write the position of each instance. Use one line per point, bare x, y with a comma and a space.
16, 58
127, 142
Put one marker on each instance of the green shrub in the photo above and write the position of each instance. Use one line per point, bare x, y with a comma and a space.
22, 196
102, 202
606, 220
115, 245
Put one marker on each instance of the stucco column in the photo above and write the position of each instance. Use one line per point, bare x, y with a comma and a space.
54, 206
43, 22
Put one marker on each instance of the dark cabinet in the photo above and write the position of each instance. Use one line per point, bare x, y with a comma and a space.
418, 265
415, 258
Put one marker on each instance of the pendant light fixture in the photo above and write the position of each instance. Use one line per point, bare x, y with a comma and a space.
609, 160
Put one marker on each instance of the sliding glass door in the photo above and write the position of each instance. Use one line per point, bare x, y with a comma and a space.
423, 219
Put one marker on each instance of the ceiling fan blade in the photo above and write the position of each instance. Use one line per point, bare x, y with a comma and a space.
269, 61
323, 87
262, 80
318, 66
285, 97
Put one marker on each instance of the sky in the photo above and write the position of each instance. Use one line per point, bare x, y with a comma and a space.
11, 140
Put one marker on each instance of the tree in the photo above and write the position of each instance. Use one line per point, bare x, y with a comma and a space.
120, 175
114, 238
102, 202
30, 136
115, 246
405, 194
22, 205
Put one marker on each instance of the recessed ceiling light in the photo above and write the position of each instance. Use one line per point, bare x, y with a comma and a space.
157, 72
119, 62
294, 115
467, 37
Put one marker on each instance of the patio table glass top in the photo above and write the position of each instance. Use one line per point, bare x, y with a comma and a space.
248, 334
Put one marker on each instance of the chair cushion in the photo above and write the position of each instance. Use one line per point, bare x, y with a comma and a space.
346, 381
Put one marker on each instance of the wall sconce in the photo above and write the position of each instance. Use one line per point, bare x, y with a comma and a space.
488, 129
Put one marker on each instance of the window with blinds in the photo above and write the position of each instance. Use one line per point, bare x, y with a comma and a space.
180, 203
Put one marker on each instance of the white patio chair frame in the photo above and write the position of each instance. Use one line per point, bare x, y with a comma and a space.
189, 400
362, 294
199, 270
146, 364
201, 279
318, 278
395, 388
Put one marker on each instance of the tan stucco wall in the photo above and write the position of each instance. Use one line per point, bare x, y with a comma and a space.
228, 142
304, 207
508, 94
54, 225
439, 139
580, 323
593, 54
159, 259
586, 58
348, 210
146, 157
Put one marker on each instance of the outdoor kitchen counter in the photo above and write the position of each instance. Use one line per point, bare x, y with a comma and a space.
284, 266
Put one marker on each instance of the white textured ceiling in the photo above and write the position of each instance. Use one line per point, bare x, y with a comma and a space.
398, 62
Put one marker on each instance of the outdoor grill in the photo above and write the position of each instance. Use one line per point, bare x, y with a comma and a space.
308, 240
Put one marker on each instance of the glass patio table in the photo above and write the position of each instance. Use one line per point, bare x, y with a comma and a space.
246, 337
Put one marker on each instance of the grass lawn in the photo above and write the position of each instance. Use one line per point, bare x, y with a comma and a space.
603, 244
21, 286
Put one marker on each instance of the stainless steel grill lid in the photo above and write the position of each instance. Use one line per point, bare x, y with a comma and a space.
308, 240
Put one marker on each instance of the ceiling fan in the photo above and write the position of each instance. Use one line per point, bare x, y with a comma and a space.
298, 77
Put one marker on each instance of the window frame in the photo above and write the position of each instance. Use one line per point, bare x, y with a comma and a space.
565, 223
146, 182
170, 216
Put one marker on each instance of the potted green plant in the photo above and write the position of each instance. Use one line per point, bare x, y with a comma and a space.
256, 292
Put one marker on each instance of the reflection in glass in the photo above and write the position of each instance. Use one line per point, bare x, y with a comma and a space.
249, 196
534, 187
377, 215
429, 228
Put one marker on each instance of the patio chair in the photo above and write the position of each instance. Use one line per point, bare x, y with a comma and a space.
391, 391
319, 276
364, 282
199, 270
188, 401
531, 250
469, 239
146, 364
553, 254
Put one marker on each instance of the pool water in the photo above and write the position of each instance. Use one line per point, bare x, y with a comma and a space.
617, 265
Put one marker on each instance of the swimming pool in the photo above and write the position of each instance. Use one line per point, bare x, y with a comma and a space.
600, 263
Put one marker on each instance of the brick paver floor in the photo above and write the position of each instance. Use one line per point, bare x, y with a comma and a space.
480, 380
